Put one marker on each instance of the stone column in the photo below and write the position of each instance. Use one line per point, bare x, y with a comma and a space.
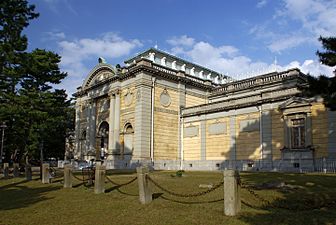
111, 143
28, 172
45, 173
99, 186
67, 176
203, 140
88, 126
6, 170
77, 130
93, 126
232, 203
145, 193
117, 121
16, 169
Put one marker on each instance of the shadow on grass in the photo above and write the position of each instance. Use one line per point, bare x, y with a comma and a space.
13, 184
17, 195
304, 199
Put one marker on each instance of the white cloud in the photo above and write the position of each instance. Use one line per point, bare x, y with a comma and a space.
53, 35
75, 53
228, 60
183, 40
316, 16
315, 68
261, 3
110, 45
58, 6
287, 43
297, 23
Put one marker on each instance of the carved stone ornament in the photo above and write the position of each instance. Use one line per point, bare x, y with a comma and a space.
128, 98
165, 99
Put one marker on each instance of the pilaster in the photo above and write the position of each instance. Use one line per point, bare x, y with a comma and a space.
111, 123
233, 138
266, 130
142, 128
92, 125
116, 132
77, 128
203, 139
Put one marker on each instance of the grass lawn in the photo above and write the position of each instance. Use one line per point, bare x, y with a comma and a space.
311, 198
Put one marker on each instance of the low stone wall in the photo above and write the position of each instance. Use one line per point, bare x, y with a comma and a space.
287, 165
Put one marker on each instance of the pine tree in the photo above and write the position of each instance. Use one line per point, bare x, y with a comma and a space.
34, 112
329, 56
322, 85
14, 17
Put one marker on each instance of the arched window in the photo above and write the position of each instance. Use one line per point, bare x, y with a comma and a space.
103, 134
128, 139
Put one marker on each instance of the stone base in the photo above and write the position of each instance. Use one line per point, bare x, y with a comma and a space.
291, 165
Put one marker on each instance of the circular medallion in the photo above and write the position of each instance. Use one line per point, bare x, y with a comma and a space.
165, 99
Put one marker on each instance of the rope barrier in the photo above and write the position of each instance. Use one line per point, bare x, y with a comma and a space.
185, 195
123, 184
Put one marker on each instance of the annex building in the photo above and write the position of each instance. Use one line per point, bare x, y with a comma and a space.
173, 114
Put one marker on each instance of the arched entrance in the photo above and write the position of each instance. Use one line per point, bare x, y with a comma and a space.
103, 136
128, 139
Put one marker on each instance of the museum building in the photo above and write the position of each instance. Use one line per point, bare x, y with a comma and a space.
172, 114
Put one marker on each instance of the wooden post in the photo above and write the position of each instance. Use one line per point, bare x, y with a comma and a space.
16, 170
28, 172
99, 186
232, 203
45, 173
145, 193
67, 176
6, 170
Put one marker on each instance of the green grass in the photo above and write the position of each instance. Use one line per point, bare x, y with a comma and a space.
32, 202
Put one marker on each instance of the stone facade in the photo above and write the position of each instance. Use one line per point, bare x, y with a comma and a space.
172, 114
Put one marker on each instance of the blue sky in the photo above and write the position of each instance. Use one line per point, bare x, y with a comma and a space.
240, 38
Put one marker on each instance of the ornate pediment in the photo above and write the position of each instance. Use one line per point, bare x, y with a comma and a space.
100, 73
296, 105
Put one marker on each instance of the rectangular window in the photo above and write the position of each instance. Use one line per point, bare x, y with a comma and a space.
298, 133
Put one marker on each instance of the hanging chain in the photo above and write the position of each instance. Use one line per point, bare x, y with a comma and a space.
123, 184
185, 195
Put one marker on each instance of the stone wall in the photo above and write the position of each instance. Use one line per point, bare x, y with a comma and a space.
248, 136
192, 141
320, 129
277, 133
218, 139
166, 123
193, 100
